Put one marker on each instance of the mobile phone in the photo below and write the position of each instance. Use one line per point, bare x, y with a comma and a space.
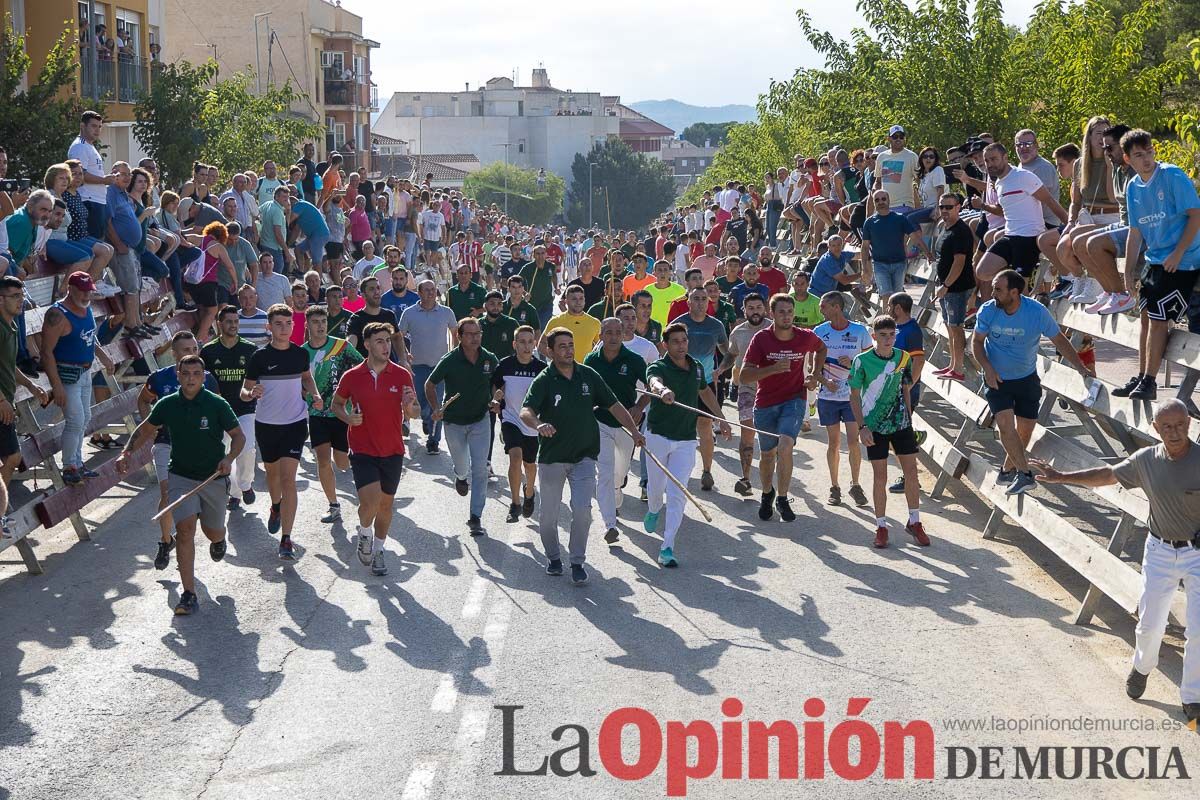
14, 184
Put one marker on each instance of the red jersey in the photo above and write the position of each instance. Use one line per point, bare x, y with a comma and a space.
679, 307
765, 349
380, 399
554, 253
469, 253
774, 279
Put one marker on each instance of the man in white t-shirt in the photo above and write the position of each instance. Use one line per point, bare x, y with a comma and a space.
727, 199
1021, 195
432, 224
895, 169
96, 179
370, 261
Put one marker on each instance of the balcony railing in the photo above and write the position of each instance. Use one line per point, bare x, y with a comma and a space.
120, 79
344, 88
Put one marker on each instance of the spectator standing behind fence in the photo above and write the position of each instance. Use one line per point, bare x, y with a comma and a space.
68, 349
1169, 474
12, 295
96, 178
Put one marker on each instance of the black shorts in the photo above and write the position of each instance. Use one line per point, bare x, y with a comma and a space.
903, 441
512, 436
328, 430
8, 440
1164, 295
384, 470
980, 230
280, 441
205, 295
1022, 396
1021, 253
334, 251
705, 406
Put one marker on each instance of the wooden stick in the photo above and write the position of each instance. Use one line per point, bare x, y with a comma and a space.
677, 482
706, 414
173, 505
448, 401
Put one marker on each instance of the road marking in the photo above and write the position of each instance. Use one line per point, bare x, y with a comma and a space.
474, 602
446, 696
419, 781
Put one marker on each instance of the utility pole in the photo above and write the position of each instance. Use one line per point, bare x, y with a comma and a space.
505, 145
257, 57
591, 194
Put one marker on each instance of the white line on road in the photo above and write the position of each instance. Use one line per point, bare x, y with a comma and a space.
419, 781
474, 602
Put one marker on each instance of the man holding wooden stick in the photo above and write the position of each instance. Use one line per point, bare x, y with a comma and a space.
671, 432
197, 421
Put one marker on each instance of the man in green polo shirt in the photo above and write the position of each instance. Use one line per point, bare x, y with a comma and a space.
607, 307
622, 369
467, 372
671, 432
498, 328
541, 281
559, 406
518, 306
197, 420
466, 297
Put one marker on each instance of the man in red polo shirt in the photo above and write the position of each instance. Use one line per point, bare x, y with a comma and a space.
372, 398
769, 275
692, 279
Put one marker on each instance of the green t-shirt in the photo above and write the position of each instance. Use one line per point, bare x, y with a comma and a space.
622, 375
808, 311
339, 322
880, 382
669, 420
328, 364
498, 334
653, 332
539, 283
463, 302
727, 315
197, 428
471, 382
8, 360
523, 313
726, 284
603, 310
568, 404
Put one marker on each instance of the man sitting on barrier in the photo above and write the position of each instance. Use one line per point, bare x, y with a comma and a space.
1169, 474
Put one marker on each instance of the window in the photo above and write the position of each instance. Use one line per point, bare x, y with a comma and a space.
129, 30
683, 162
427, 111
334, 61
521, 146
520, 108
339, 134
476, 108
360, 69
416, 97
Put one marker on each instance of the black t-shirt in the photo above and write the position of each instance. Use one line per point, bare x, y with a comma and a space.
362, 319
309, 182
736, 227
508, 269
651, 245
592, 292
367, 189
950, 242
228, 365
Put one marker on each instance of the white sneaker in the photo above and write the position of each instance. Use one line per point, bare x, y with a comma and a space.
106, 289
1086, 291
1119, 303
1104, 299
364, 545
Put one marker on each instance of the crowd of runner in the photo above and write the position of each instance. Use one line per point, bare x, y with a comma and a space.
341, 313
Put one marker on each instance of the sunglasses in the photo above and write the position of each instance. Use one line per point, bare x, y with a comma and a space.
949, 207
898, 136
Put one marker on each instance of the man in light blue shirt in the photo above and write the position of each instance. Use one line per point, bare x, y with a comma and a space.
1164, 212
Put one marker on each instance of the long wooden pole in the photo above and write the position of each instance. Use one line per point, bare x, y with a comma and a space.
175, 504
678, 483
686, 407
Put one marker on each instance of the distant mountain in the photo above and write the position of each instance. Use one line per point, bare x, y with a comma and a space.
677, 115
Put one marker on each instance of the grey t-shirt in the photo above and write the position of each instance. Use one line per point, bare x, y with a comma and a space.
739, 342
427, 332
1172, 487
1048, 174
272, 289
703, 340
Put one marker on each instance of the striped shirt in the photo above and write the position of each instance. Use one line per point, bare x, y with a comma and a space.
253, 328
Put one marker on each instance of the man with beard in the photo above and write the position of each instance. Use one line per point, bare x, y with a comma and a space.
739, 343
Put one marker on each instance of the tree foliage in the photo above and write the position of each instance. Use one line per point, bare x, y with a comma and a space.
948, 69
712, 133
189, 114
37, 123
626, 186
526, 202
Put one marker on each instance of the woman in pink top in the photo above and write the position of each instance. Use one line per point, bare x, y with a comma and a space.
360, 225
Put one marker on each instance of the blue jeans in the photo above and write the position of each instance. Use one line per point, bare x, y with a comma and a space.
433, 431
280, 264
153, 266
410, 249
921, 215
889, 277
177, 263
97, 223
772, 224
783, 419
76, 415
468, 451
66, 252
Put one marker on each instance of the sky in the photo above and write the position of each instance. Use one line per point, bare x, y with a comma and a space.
637, 50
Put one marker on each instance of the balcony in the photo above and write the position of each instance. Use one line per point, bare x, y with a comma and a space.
120, 80
347, 90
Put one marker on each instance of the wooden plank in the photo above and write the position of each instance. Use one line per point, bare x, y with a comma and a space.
959, 397
1137, 415
1065, 455
1183, 347
58, 506
22, 522
942, 451
48, 441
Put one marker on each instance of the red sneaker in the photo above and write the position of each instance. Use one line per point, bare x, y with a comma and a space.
951, 375
881, 536
917, 531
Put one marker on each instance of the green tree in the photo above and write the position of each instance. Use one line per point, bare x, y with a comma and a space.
714, 133
627, 187
37, 123
526, 202
168, 118
242, 129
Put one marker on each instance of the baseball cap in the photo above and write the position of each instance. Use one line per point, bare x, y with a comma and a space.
882, 148
81, 280
810, 163
892, 131
185, 205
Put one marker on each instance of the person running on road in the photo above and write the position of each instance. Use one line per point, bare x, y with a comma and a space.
518, 307
161, 383
775, 359
623, 370
432, 331
739, 342
467, 372
843, 341
329, 359
509, 384
560, 406
879, 382
196, 421
226, 358
706, 338
584, 328
277, 376
372, 399
671, 432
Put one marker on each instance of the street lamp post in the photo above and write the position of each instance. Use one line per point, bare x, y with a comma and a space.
505, 145
257, 58
591, 194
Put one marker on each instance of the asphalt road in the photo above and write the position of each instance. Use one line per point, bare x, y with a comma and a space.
320, 680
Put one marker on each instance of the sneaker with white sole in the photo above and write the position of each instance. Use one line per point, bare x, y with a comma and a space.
106, 289
1104, 299
1119, 303
364, 545
378, 565
1087, 290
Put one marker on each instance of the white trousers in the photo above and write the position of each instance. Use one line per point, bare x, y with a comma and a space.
616, 453
1163, 567
242, 477
680, 459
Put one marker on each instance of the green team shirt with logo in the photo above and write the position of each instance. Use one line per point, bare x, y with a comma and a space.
498, 334
622, 375
328, 364
471, 382
197, 428
669, 420
523, 313
569, 405
880, 382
